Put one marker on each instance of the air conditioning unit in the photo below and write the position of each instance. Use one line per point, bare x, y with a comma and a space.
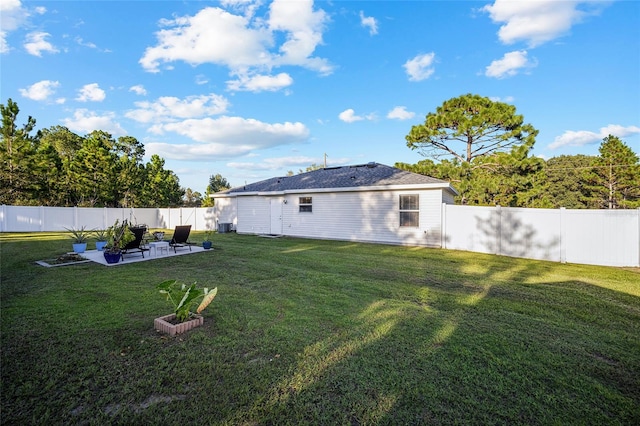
223, 228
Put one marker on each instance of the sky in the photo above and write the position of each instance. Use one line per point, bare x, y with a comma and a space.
254, 89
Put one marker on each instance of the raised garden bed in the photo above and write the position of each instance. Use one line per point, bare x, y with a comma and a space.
71, 258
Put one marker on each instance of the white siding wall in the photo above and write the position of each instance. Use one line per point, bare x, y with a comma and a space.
226, 210
448, 197
254, 215
362, 216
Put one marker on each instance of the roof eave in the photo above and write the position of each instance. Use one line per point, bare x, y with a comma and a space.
410, 187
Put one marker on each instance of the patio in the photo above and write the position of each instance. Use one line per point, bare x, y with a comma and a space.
98, 256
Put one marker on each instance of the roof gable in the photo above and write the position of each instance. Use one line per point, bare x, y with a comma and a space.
363, 175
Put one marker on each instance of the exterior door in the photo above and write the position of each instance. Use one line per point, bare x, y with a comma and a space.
276, 216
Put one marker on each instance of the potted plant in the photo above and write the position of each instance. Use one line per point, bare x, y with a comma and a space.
118, 236
184, 299
207, 239
79, 237
101, 238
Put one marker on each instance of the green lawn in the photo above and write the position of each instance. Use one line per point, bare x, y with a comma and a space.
318, 332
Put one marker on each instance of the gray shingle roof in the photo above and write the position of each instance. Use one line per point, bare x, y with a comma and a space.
363, 175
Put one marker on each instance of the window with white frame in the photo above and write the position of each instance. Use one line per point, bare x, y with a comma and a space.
410, 210
305, 204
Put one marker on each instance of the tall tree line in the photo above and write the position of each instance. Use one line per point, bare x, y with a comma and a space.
56, 167
483, 148
610, 180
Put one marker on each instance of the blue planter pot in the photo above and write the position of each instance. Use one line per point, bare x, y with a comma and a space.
80, 247
206, 245
100, 245
112, 257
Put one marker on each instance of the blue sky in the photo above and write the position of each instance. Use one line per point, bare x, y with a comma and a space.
252, 89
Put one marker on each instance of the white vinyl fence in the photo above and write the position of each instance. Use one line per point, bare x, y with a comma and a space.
39, 219
595, 237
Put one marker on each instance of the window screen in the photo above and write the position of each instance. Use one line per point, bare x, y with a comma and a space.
410, 210
305, 204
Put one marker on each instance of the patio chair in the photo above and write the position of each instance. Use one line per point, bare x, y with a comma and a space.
137, 245
181, 237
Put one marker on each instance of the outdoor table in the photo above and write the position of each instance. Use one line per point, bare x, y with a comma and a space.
159, 245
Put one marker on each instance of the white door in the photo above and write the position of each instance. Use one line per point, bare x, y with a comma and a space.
276, 216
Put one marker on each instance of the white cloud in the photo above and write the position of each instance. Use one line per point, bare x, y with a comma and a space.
12, 16
260, 83
138, 89
237, 130
349, 116
369, 22
276, 163
540, 21
247, 7
400, 113
303, 28
91, 92
88, 44
41, 90
585, 137
420, 67
35, 43
85, 121
203, 152
510, 64
506, 99
214, 35
226, 137
168, 108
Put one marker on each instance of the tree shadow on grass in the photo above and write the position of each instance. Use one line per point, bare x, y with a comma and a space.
442, 339
489, 348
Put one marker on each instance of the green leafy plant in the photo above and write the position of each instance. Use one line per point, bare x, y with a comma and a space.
207, 235
79, 236
184, 297
101, 234
118, 236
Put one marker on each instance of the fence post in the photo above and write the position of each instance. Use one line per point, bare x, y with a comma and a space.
443, 226
499, 230
42, 214
563, 239
3, 219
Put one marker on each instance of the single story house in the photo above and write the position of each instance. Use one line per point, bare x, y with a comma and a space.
368, 202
